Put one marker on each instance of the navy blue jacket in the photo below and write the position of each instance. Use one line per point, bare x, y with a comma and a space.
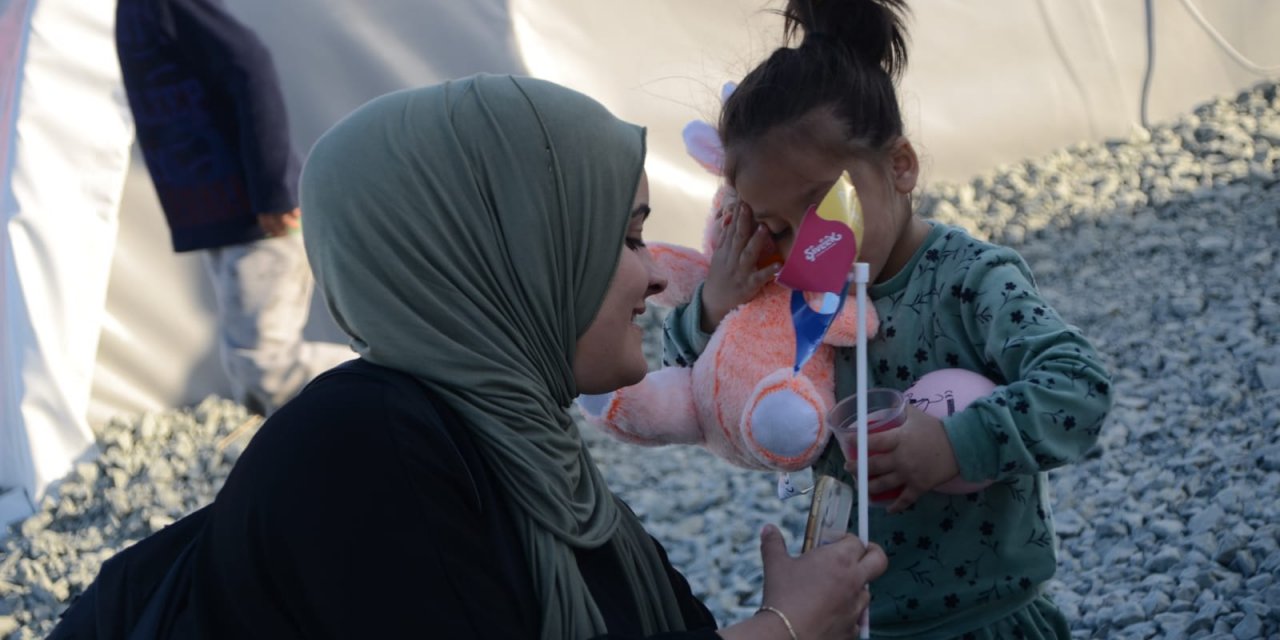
210, 119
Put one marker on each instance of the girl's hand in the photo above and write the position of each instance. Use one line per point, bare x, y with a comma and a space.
733, 276
916, 456
822, 593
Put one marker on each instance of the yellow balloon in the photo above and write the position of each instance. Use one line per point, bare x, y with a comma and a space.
841, 205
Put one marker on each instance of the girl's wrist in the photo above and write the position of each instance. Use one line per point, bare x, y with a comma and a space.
709, 316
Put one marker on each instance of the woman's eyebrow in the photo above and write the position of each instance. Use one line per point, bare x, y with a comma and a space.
641, 210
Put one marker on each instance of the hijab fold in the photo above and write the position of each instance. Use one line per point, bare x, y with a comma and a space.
466, 233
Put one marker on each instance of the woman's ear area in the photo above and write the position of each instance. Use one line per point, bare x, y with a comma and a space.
904, 165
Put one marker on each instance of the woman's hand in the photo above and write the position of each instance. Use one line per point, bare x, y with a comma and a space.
821, 593
733, 276
916, 456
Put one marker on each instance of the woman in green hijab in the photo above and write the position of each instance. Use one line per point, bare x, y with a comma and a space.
481, 242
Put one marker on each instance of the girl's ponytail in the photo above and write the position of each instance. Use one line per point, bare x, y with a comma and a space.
849, 55
871, 30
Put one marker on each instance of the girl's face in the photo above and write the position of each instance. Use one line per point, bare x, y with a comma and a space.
610, 353
785, 171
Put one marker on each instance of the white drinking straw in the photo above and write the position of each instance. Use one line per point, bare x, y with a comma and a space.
862, 273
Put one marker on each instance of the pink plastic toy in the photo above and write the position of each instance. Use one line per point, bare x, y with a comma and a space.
940, 394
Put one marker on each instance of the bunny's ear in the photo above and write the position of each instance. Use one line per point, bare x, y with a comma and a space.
726, 90
703, 143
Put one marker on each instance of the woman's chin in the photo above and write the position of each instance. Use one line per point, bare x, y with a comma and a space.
627, 369
636, 369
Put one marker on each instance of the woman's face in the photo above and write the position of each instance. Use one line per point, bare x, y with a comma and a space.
610, 353
782, 173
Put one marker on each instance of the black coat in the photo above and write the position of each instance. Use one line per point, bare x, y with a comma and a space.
360, 510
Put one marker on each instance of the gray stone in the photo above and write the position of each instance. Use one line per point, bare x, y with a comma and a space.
1172, 623
1269, 458
1141, 630
35, 524
1127, 613
1268, 311
1166, 528
1188, 305
1211, 246
1207, 615
158, 522
1200, 623
1248, 628
1208, 519
1259, 583
1166, 559
1155, 602
87, 472
1272, 563
1270, 132
1252, 606
1123, 552
1244, 563
692, 525
1206, 598
1227, 581
1228, 545
1198, 574
1112, 529
1269, 377
1068, 523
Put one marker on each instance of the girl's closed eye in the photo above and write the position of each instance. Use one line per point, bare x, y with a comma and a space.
635, 244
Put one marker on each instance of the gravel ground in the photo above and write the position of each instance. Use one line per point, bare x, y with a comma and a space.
1162, 247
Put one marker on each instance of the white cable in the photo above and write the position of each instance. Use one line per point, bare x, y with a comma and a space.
1060, 48
1226, 46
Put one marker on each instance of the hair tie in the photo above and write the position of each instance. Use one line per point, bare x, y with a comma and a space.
810, 16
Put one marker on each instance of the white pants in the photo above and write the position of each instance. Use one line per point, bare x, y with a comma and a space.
65, 132
263, 291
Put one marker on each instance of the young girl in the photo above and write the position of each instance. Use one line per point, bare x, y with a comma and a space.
970, 566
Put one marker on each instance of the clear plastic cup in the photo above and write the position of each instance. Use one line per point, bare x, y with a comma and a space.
886, 409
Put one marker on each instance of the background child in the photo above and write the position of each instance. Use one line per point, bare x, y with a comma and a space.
968, 566
213, 130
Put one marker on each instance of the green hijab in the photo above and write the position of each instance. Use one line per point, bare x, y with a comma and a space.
466, 233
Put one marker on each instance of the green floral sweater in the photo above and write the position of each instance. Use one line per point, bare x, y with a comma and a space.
960, 563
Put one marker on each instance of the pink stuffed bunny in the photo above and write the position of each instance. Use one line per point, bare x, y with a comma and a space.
740, 399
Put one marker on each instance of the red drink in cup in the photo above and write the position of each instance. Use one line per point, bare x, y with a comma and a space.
886, 409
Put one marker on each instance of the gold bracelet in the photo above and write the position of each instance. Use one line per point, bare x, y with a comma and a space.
790, 629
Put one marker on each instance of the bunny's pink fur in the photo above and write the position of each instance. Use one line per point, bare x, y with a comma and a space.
740, 399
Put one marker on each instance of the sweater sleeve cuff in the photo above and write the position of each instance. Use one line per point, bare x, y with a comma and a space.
972, 445
692, 323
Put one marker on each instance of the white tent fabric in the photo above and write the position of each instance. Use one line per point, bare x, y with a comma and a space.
64, 143
989, 83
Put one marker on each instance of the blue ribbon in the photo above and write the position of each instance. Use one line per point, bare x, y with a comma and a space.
811, 326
